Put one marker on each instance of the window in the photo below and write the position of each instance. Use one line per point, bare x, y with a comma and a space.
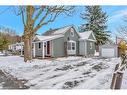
39, 45
91, 45
72, 32
44, 44
71, 45
68, 39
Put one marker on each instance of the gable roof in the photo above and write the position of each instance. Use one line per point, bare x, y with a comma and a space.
58, 31
86, 35
62, 30
47, 38
54, 34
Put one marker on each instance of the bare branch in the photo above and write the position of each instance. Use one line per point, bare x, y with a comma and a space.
22, 13
52, 18
39, 13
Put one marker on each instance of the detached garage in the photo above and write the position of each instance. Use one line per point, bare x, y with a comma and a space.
108, 50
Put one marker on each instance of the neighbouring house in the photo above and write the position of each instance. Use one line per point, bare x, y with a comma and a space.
17, 47
64, 41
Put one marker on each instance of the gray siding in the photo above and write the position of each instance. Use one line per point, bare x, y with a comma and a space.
38, 51
58, 47
74, 38
90, 51
82, 47
91, 37
77, 47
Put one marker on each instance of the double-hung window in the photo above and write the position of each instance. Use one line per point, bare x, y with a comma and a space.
71, 46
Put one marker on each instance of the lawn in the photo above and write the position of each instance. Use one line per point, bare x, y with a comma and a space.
62, 73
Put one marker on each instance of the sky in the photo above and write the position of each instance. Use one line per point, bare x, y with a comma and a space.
115, 19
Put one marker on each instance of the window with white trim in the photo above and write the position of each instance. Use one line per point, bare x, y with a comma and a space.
71, 45
91, 45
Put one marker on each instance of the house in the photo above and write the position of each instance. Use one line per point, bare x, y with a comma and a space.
64, 41
17, 47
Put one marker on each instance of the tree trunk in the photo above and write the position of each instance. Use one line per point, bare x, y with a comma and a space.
97, 47
27, 49
28, 33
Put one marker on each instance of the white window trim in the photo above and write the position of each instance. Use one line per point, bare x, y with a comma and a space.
71, 50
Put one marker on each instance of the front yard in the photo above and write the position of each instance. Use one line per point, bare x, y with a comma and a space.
61, 73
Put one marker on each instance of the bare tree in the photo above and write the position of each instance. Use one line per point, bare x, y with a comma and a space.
34, 17
122, 30
7, 36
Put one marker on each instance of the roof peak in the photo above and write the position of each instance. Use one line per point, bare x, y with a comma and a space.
61, 27
86, 31
56, 30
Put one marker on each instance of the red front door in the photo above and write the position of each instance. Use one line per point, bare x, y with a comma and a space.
48, 47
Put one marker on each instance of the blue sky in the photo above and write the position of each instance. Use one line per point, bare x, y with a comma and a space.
115, 19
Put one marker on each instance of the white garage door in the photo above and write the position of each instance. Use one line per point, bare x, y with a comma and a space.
108, 52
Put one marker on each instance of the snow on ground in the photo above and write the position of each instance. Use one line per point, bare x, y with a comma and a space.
62, 73
96, 53
1, 86
124, 82
1, 54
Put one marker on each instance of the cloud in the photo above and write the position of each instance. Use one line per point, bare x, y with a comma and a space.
117, 15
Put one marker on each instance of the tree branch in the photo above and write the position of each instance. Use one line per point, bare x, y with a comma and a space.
39, 13
23, 18
45, 23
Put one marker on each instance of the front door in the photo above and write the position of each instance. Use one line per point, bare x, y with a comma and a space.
71, 48
47, 48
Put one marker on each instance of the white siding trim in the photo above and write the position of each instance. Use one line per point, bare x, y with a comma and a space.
85, 42
43, 50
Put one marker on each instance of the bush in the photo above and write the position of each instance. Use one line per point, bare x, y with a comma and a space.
122, 48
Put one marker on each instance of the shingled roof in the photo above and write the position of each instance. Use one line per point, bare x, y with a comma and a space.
85, 35
57, 31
